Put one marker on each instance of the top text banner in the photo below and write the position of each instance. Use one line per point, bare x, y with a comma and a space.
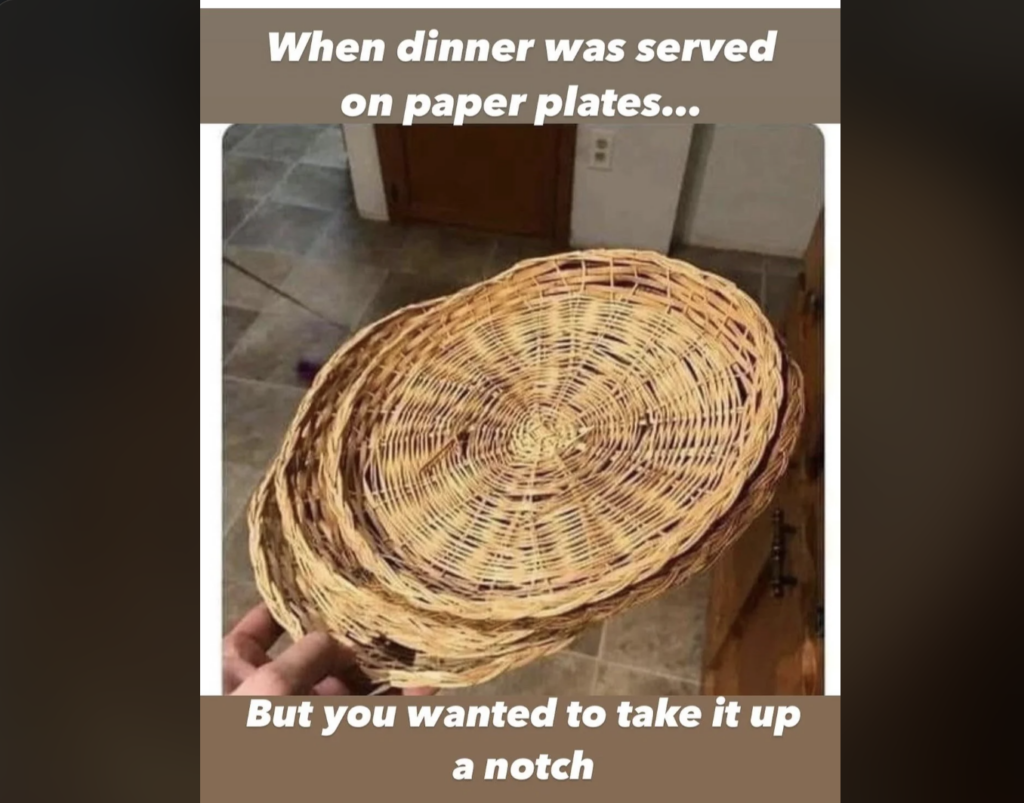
534, 66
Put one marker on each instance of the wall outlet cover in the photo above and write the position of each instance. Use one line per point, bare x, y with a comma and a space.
602, 147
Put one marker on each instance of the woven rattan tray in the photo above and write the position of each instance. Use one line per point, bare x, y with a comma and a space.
471, 482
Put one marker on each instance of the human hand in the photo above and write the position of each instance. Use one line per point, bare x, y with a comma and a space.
315, 664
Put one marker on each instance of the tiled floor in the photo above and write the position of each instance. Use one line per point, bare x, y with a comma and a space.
290, 219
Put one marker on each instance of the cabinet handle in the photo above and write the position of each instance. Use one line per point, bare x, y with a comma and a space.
780, 580
815, 305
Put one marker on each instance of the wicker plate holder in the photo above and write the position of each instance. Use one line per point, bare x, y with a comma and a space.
473, 481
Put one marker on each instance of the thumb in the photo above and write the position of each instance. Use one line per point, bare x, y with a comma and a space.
296, 670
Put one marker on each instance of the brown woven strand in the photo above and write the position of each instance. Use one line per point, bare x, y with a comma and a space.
381, 588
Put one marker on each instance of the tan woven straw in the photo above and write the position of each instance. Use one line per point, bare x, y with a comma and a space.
472, 481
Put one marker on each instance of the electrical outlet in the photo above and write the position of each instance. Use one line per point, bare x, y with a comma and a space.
602, 146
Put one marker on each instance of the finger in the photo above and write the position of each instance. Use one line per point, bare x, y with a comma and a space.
234, 672
331, 686
240, 649
344, 660
296, 670
420, 691
259, 627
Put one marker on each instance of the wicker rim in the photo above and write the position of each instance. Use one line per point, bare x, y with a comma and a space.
380, 621
415, 543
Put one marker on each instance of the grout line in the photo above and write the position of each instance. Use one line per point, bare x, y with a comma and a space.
245, 218
316, 241
651, 672
359, 319
593, 677
234, 519
231, 352
274, 385
264, 250
234, 147
307, 205
242, 510
267, 157
284, 177
260, 201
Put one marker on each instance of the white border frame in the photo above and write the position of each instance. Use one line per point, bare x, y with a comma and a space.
211, 480
210, 381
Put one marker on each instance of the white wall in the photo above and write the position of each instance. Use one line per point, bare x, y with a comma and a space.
753, 188
364, 166
634, 204
749, 188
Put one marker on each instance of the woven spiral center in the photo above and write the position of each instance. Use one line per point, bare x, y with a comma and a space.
586, 431
545, 436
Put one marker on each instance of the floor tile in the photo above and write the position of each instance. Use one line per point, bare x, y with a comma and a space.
283, 227
236, 321
235, 210
783, 266
328, 149
509, 250
436, 247
665, 635
236, 134
255, 419
239, 483
271, 266
350, 235
782, 291
715, 259
318, 187
618, 680
281, 338
589, 642
402, 289
744, 269
750, 283
242, 291
283, 142
238, 599
339, 289
561, 674
237, 567
246, 177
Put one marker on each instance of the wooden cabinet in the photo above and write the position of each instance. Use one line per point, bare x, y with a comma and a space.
765, 615
513, 179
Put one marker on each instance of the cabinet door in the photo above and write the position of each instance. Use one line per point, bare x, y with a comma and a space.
514, 179
763, 638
